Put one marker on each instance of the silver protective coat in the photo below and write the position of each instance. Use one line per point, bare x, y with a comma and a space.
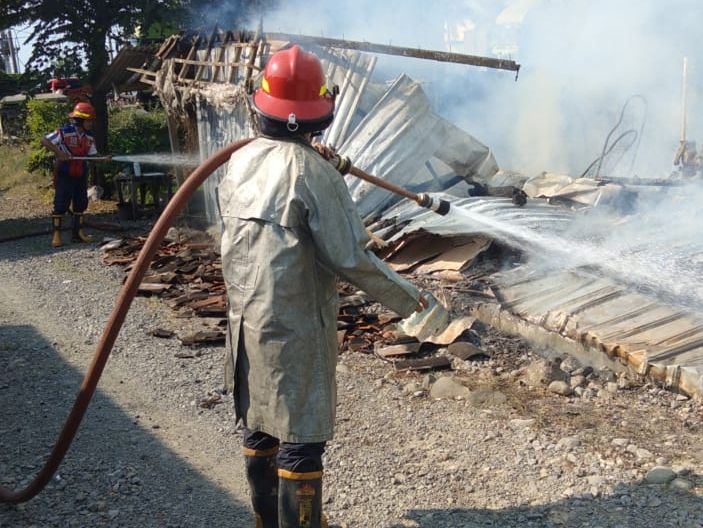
290, 228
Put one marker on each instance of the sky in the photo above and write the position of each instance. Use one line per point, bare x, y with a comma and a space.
21, 33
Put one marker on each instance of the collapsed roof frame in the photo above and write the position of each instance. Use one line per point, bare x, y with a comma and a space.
188, 64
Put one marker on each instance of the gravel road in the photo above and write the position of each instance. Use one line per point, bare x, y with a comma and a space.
506, 454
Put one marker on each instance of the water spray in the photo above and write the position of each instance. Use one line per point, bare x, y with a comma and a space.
146, 159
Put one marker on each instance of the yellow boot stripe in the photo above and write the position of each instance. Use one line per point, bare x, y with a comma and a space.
259, 452
291, 475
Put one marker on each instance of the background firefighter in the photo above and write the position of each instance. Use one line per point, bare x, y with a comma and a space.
71, 176
290, 228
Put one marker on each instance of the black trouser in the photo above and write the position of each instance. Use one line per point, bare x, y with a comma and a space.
69, 190
298, 458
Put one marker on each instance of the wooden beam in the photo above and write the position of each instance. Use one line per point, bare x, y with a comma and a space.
441, 56
191, 52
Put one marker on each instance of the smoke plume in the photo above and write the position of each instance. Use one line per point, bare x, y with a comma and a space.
581, 61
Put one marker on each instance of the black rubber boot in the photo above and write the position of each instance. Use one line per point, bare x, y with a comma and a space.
300, 499
263, 483
78, 234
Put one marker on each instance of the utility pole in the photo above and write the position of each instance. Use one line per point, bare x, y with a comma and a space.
8, 51
4, 53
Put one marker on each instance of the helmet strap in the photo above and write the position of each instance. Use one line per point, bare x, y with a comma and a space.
292, 124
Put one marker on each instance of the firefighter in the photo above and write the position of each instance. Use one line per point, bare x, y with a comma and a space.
71, 176
290, 228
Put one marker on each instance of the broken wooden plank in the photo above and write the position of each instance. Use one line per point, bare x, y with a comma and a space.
418, 251
203, 336
162, 333
146, 287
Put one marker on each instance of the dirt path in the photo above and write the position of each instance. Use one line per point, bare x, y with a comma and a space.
149, 455
138, 460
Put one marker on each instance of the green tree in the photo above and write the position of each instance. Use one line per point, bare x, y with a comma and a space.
76, 31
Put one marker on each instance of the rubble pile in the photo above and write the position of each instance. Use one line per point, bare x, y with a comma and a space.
187, 276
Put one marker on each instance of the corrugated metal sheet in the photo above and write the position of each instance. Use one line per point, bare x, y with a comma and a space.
399, 137
594, 308
656, 339
351, 71
395, 135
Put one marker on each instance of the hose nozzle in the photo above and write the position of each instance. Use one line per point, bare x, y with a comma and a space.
439, 206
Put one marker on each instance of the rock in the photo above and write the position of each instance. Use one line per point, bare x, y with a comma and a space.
654, 502
583, 371
620, 442
681, 484
611, 387
660, 475
112, 514
643, 454
398, 478
560, 387
681, 471
569, 442
682, 397
486, 398
543, 372
446, 387
427, 381
595, 480
577, 381
173, 235
411, 388
569, 364
579, 391
342, 369
606, 375
587, 394
604, 395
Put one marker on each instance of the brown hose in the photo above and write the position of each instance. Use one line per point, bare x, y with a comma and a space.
119, 312
124, 300
375, 180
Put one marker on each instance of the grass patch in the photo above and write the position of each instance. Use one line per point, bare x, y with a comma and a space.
16, 180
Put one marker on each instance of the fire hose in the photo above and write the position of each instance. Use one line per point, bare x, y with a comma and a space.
129, 290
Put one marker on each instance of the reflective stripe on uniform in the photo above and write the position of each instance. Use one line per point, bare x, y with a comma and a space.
259, 452
292, 475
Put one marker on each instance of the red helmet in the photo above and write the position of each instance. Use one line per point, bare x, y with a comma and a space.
83, 111
293, 92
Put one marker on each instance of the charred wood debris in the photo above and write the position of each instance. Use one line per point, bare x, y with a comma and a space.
187, 277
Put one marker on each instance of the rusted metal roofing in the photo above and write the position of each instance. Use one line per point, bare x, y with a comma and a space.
117, 76
657, 340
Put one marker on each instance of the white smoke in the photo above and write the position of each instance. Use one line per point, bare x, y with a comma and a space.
581, 60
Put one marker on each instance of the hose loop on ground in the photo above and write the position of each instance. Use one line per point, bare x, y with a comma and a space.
112, 329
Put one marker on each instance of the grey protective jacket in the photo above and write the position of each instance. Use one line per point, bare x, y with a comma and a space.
289, 228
